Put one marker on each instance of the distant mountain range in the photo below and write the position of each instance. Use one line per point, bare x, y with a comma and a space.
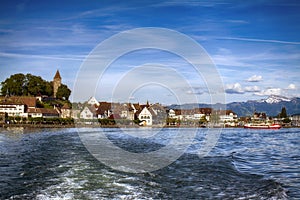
271, 106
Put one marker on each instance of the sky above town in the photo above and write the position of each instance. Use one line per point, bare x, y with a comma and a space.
254, 45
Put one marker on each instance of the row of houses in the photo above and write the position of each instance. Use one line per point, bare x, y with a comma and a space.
261, 117
151, 114
208, 115
23, 106
147, 114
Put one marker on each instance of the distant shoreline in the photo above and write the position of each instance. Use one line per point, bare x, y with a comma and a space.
106, 126
38, 125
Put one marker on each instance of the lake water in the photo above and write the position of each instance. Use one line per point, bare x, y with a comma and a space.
245, 164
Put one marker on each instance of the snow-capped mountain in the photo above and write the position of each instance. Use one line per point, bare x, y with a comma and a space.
275, 99
271, 106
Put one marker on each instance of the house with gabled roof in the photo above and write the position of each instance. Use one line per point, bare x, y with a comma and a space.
30, 102
135, 107
146, 115
104, 110
93, 101
88, 112
124, 110
259, 116
13, 109
171, 113
17, 105
65, 111
189, 114
42, 112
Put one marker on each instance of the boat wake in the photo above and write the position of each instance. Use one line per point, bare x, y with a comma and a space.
59, 167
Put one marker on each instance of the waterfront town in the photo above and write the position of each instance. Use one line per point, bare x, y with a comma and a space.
44, 109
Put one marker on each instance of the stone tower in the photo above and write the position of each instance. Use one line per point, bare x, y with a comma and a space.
56, 83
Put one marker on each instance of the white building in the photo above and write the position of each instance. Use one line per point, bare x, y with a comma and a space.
13, 109
171, 113
42, 112
88, 112
295, 119
146, 116
93, 101
228, 118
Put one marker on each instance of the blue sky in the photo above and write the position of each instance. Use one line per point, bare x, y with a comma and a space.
255, 45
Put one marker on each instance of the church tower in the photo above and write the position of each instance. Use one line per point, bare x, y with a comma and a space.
56, 83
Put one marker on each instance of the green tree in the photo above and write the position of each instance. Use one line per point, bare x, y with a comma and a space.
203, 120
35, 85
283, 113
14, 85
31, 85
215, 117
286, 120
63, 92
48, 88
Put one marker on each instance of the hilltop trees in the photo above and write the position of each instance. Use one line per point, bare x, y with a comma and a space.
14, 85
63, 92
36, 85
31, 85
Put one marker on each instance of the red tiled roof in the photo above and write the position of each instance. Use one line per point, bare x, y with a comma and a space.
114, 116
177, 112
136, 106
29, 101
104, 106
92, 108
43, 111
145, 106
20, 100
66, 106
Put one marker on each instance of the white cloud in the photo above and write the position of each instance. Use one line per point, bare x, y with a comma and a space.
47, 57
260, 40
231, 60
196, 90
292, 87
236, 21
255, 78
269, 91
188, 3
252, 89
235, 88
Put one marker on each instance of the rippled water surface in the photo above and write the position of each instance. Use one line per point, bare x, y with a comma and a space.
245, 164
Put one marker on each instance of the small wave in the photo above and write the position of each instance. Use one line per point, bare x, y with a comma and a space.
214, 177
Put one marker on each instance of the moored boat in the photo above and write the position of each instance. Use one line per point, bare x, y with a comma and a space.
262, 126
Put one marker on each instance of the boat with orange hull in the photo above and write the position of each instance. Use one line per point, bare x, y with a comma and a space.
262, 126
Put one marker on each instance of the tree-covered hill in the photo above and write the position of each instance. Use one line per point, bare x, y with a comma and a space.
31, 85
